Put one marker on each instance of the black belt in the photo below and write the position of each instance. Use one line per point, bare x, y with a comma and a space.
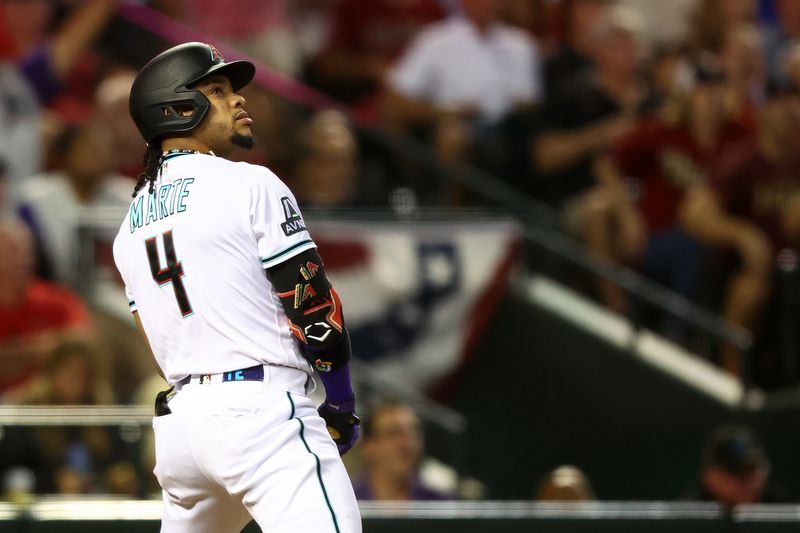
253, 373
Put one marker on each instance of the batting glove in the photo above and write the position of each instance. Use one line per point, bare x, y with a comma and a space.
342, 423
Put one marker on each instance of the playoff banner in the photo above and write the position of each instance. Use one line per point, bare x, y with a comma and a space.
417, 295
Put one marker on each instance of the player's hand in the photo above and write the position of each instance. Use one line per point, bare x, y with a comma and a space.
342, 423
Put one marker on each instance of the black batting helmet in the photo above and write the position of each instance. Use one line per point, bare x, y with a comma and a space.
168, 80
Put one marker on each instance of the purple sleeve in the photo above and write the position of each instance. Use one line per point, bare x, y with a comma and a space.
39, 72
338, 388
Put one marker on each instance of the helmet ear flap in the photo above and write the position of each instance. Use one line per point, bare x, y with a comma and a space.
177, 116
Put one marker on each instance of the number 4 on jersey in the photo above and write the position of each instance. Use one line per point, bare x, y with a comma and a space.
172, 274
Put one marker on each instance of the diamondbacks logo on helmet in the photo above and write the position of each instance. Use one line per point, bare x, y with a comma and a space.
216, 57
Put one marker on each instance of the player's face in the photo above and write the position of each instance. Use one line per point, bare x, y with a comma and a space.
226, 123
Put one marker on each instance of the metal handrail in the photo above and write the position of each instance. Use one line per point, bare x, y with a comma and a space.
75, 415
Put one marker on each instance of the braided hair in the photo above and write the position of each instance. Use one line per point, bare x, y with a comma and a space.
151, 161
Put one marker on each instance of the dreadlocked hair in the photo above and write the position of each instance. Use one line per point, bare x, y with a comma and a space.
151, 161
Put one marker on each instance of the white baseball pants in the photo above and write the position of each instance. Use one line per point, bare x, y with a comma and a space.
236, 450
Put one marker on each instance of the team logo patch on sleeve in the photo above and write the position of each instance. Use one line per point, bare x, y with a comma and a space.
293, 222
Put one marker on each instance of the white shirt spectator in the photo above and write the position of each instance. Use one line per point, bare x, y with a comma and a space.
453, 65
56, 213
21, 149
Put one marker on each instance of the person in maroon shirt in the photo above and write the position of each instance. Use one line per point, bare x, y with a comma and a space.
366, 38
766, 189
755, 209
34, 315
666, 159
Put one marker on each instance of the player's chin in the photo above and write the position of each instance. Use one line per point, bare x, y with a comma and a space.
243, 140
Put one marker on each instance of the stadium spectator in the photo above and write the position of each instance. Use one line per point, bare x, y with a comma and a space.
713, 18
670, 74
35, 70
56, 204
111, 100
565, 484
460, 79
35, 315
742, 62
735, 470
20, 122
366, 38
578, 127
392, 447
470, 65
755, 210
327, 163
70, 459
574, 55
667, 156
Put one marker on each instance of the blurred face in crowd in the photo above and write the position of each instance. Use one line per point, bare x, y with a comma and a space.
741, 55
394, 447
482, 12
112, 110
88, 156
731, 489
71, 379
16, 263
328, 174
618, 52
583, 16
672, 74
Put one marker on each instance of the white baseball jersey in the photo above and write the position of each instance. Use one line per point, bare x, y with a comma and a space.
193, 256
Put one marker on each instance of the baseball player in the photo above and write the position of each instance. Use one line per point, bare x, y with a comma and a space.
226, 284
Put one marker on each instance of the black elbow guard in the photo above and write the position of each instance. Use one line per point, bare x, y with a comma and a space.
314, 310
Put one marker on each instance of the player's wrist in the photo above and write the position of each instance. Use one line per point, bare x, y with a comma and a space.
338, 386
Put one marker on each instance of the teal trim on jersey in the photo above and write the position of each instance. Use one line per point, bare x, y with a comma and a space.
319, 465
178, 154
289, 395
286, 251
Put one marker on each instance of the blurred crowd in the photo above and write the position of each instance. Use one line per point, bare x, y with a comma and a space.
665, 135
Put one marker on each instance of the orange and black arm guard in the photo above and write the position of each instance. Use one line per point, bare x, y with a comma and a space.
314, 310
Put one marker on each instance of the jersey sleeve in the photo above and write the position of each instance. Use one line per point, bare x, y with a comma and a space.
279, 229
131, 301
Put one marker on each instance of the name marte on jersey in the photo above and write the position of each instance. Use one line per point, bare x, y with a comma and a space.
165, 200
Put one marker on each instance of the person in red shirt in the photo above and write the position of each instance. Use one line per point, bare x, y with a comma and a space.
756, 210
34, 315
667, 160
766, 189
